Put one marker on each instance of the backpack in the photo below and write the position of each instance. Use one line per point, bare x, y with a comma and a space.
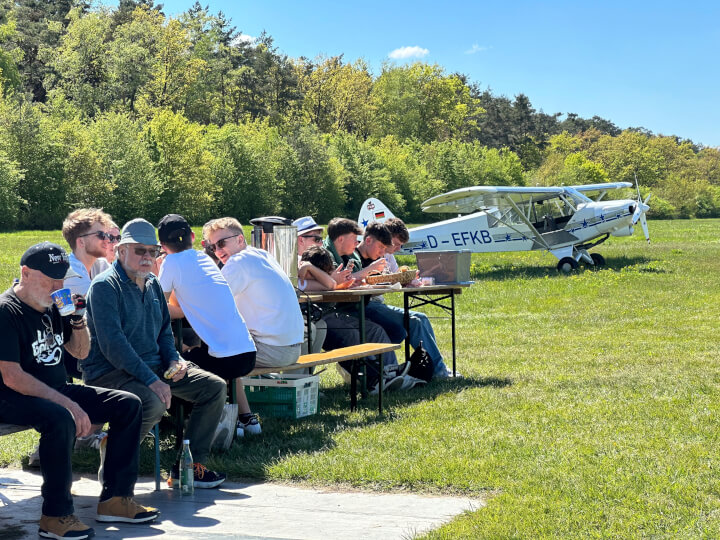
421, 366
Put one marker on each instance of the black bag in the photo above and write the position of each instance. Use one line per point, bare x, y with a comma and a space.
421, 366
315, 315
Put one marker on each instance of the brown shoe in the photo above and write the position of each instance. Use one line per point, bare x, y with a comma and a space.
125, 510
64, 527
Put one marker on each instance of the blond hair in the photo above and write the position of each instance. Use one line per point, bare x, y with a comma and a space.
81, 221
221, 223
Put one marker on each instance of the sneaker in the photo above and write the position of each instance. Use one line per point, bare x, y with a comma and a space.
411, 382
64, 527
91, 441
204, 478
398, 370
102, 448
249, 424
389, 384
125, 510
173, 480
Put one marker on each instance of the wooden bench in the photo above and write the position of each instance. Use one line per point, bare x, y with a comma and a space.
353, 352
9, 429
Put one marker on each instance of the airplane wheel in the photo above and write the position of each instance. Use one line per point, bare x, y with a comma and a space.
567, 265
598, 259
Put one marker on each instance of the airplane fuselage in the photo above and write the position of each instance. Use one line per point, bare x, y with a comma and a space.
482, 232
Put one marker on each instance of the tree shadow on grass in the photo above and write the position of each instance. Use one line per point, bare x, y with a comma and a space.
250, 457
616, 264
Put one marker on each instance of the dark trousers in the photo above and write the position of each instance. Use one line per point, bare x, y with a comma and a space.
57, 437
228, 367
204, 390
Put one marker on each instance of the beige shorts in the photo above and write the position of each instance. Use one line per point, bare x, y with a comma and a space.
276, 355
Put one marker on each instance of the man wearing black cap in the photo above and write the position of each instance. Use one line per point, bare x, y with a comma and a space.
34, 392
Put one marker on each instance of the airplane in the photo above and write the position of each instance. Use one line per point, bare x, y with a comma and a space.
563, 220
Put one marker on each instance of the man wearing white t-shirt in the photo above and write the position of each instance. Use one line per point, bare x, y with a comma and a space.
263, 293
207, 303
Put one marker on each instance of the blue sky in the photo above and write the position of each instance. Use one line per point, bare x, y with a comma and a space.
635, 63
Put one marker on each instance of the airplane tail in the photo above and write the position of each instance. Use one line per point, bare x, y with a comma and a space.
373, 210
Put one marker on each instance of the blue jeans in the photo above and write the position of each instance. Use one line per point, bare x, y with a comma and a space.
391, 319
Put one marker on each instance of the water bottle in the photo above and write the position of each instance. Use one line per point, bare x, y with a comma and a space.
187, 472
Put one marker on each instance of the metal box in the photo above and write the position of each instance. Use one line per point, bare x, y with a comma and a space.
444, 266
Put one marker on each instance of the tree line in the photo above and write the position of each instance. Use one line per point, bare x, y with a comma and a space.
142, 114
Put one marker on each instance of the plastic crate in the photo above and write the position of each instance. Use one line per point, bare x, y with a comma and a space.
282, 395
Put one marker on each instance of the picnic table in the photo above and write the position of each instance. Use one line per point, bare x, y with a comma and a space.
442, 296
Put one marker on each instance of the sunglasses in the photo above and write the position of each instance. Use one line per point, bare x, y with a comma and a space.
217, 245
154, 252
316, 239
103, 235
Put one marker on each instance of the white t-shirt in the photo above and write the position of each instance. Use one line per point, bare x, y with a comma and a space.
265, 297
206, 300
81, 284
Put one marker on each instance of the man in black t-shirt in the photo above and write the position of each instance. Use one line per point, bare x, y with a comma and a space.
34, 392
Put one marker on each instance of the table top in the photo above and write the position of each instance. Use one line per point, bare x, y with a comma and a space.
354, 295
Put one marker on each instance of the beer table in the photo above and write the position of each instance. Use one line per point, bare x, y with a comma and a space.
442, 296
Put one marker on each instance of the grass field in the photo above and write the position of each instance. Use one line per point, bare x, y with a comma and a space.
588, 408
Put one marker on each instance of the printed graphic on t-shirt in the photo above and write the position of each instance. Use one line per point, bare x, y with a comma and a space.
47, 348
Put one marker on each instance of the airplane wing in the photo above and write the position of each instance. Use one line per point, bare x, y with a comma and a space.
599, 188
473, 199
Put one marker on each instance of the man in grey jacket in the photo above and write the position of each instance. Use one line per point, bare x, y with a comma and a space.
132, 347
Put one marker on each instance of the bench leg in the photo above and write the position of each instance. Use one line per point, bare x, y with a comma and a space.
156, 435
381, 360
353, 385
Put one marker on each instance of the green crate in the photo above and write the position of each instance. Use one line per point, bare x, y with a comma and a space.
282, 395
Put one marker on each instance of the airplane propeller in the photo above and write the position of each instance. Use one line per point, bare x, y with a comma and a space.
640, 209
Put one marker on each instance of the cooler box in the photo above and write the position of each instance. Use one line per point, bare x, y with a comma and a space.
282, 395
444, 266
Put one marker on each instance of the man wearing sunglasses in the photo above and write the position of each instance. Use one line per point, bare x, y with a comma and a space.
87, 232
264, 296
133, 347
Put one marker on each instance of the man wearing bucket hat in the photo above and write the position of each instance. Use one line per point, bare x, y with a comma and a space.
34, 392
133, 348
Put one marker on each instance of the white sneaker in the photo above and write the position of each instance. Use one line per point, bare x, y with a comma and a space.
411, 382
249, 426
389, 384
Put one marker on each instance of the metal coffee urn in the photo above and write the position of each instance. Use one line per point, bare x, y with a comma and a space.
278, 237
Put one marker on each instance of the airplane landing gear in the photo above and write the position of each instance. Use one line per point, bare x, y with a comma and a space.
598, 260
567, 265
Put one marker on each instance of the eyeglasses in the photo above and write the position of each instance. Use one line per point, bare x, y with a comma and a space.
102, 235
316, 239
154, 252
219, 244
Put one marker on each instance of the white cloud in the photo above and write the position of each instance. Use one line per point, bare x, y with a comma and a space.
243, 38
408, 52
476, 49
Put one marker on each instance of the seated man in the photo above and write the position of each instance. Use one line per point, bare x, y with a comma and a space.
264, 296
382, 240
34, 392
133, 346
343, 324
205, 299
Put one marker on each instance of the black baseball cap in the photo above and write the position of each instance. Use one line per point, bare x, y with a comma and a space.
50, 259
173, 228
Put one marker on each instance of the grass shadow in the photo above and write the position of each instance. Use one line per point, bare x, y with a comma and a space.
511, 271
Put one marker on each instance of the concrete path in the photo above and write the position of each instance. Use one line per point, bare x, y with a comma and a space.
264, 510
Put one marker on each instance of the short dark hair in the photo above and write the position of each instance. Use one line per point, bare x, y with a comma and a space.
339, 226
379, 232
397, 227
320, 257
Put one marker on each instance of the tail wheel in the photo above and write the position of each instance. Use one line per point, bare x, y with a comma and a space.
598, 260
567, 265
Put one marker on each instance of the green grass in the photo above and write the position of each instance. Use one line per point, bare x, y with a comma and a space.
589, 406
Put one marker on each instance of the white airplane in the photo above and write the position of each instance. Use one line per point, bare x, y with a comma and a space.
562, 220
